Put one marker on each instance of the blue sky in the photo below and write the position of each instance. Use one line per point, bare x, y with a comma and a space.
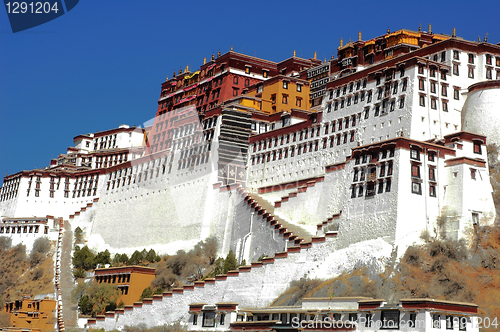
102, 64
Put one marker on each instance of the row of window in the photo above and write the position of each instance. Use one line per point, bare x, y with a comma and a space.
22, 229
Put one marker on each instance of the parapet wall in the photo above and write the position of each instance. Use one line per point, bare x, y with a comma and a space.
251, 286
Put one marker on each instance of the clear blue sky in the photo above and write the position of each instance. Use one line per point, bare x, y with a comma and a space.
101, 64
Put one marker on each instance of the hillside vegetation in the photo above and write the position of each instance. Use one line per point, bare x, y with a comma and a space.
21, 274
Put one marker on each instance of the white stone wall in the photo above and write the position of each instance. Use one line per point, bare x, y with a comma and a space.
259, 286
481, 115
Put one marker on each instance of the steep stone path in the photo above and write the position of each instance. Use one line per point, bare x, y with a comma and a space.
297, 230
67, 283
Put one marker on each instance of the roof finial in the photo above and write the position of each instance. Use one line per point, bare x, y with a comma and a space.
486, 37
213, 57
180, 70
187, 69
167, 78
454, 32
420, 27
204, 60
388, 30
341, 42
294, 53
430, 28
325, 60
479, 39
218, 53
359, 35
349, 40
174, 74
231, 48
315, 54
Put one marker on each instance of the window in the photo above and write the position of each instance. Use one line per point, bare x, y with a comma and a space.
471, 58
432, 174
364, 81
431, 155
195, 319
353, 317
436, 321
362, 96
456, 93
462, 324
471, 72
402, 72
388, 185
421, 84
415, 171
444, 90
433, 87
390, 319
472, 174
369, 98
412, 320
208, 319
222, 318
443, 56
443, 75
299, 88
298, 103
433, 72
235, 80
475, 218
477, 148
434, 103
488, 73
360, 191
349, 101
422, 100
395, 88
285, 85
415, 154
405, 83
420, 69
247, 82
285, 99
455, 69
265, 73
380, 187
402, 102
416, 188
370, 189
432, 190
456, 55
247, 70
367, 113
379, 96
369, 320
377, 110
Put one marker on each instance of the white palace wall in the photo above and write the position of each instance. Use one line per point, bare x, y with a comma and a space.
253, 286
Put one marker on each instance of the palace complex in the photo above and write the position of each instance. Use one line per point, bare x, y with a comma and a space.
301, 157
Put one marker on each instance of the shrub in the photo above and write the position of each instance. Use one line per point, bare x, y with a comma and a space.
38, 274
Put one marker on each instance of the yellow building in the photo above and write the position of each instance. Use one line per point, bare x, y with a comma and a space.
28, 313
131, 280
281, 93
